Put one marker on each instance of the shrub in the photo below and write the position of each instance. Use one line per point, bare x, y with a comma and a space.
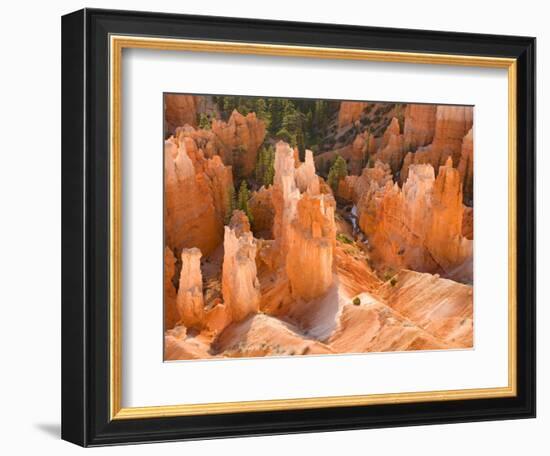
344, 238
356, 301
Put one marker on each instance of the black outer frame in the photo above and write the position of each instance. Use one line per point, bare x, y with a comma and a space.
85, 227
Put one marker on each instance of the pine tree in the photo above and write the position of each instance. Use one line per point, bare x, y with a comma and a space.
338, 171
242, 202
269, 172
263, 112
231, 203
284, 135
276, 110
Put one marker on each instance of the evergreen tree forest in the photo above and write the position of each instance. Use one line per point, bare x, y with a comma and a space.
300, 122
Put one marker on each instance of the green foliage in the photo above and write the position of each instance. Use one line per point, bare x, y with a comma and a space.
262, 111
301, 122
338, 171
231, 203
237, 155
265, 166
284, 135
204, 121
242, 200
356, 301
344, 238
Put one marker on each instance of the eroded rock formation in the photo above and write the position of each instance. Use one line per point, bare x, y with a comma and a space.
419, 226
239, 140
196, 196
285, 198
306, 178
452, 124
312, 238
240, 285
419, 125
180, 110
319, 278
349, 112
190, 301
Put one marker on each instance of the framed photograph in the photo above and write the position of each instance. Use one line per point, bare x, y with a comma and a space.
278, 227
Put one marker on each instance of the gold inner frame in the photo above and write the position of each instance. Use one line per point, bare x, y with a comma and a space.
117, 44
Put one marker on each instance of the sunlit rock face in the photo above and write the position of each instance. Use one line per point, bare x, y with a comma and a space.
419, 298
309, 261
238, 141
190, 301
303, 227
350, 111
195, 192
171, 314
444, 239
285, 198
180, 110
306, 178
420, 225
240, 285
419, 125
